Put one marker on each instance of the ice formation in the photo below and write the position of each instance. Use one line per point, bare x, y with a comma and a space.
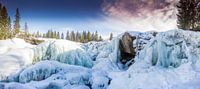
53, 74
63, 51
166, 60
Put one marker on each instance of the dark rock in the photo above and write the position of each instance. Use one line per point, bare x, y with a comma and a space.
126, 48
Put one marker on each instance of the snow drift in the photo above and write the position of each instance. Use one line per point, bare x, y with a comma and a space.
14, 54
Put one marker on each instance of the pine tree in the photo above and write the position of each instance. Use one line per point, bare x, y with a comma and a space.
17, 22
67, 36
82, 38
187, 14
58, 35
10, 33
48, 34
77, 36
100, 38
38, 34
89, 36
111, 36
4, 23
92, 36
54, 35
44, 35
62, 36
0, 22
26, 29
96, 36
72, 36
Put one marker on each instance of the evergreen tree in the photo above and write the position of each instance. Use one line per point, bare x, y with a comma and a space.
72, 36
9, 28
96, 36
111, 36
26, 29
187, 14
89, 36
58, 35
44, 35
48, 34
77, 37
62, 36
82, 38
17, 22
4, 23
100, 38
54, 35
38, 34
67, 36
92, 36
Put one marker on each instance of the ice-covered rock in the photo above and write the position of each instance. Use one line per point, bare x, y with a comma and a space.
45, 69
53, 75
127, 52
63, 51
167, 62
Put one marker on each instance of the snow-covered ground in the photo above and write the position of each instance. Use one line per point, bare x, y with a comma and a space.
169, 60
14, 54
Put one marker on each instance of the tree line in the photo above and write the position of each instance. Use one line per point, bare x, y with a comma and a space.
6, 29
188, 17
83, 37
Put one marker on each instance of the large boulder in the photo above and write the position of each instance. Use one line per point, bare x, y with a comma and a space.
126, 48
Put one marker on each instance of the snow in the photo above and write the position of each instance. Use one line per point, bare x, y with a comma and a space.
167, 60
14, 54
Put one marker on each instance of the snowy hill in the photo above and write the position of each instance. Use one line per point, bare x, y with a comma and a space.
167, 60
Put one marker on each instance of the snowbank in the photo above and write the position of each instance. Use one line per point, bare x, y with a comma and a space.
14, 54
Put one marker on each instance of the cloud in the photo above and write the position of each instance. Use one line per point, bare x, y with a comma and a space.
141, 15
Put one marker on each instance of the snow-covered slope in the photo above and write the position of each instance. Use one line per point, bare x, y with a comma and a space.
14, 54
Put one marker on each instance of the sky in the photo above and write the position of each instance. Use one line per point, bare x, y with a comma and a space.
105, 16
